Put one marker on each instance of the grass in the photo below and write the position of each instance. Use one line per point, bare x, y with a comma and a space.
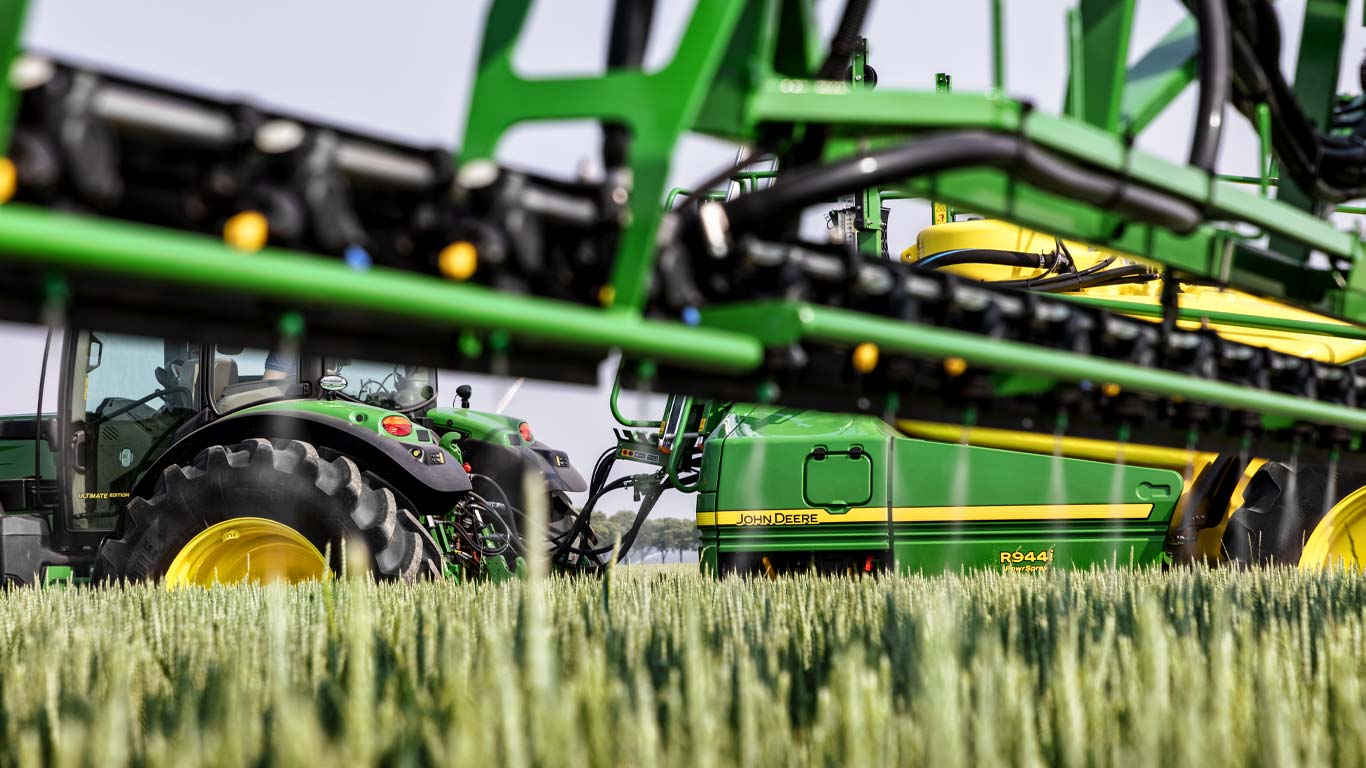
668, 668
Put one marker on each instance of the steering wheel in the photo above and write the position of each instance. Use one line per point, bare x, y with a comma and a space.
371, 390
169, 379
100, 418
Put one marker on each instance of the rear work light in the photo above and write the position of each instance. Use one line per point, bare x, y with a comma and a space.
525, 429
397, 426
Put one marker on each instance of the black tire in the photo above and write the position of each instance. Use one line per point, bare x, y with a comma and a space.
1281, 508
328, 501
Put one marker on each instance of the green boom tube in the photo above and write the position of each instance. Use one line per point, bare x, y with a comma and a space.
782, 323
63, 242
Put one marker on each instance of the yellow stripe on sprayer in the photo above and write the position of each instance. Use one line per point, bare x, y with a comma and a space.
1135, 454
979, 514
1022, 512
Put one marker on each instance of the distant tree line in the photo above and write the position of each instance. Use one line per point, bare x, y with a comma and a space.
659, 537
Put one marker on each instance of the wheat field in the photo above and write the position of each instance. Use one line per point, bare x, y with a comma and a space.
666, 667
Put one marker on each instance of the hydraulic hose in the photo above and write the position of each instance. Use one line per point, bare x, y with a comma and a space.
628, 540
586, 514
510, 523
1133, 273
845, 40
959, 149
647, 505
626, 44
842, 46
601, 469
1131, 278
1326, 167
1214, 69
1037, 283
987, 256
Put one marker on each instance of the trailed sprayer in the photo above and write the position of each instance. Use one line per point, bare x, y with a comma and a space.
1092, 354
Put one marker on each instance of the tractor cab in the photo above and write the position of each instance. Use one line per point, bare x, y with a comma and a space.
123, 400
127, 399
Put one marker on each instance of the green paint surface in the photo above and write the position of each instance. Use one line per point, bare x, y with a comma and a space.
763, 458
358, 415
477, 425
16, 456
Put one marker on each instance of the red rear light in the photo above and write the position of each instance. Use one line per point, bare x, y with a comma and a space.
525, 429
397, 426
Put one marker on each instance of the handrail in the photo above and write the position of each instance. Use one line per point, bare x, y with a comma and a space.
616, 411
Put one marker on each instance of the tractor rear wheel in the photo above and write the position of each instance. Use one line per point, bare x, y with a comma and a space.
265, 510
1285, 507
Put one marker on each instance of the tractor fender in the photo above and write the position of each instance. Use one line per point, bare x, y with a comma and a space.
430, 483
506, 463
554, 466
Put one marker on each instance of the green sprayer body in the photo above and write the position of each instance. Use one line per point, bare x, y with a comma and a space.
784, 489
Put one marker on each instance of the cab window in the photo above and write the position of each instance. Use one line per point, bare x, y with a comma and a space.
244, 376
393, 386
129, 394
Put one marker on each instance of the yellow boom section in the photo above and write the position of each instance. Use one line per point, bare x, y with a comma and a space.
998, 235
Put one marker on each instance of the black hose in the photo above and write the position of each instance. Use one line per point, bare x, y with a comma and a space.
601, 468
626, 44
628, 540
958, 149
586, 513
845, 41
1134, 278
1034, 283
507, 503
1134, 273
990, 256
842, 46
647, 505
1214, 69
510, 535
1326, 167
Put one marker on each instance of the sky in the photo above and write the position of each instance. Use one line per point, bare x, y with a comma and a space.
406, 72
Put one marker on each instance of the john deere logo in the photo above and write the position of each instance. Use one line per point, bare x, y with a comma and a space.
332, 383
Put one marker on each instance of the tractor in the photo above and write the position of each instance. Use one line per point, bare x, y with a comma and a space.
191, 463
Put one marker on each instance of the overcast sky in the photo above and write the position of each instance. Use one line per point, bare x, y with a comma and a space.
405, 71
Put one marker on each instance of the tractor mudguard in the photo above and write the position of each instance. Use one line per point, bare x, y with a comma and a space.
554, 466
501, 462
430, 483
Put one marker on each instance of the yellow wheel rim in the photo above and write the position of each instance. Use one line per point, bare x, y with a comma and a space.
246, 549
1340, 537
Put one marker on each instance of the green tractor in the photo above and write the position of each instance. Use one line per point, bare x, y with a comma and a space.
192, 463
